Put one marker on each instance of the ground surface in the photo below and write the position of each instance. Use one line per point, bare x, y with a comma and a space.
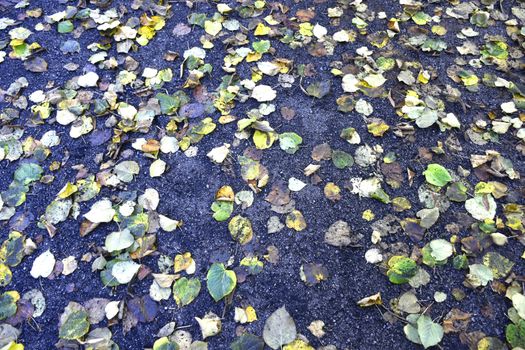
188, 187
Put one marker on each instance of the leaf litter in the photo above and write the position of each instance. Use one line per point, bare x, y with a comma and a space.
392, 138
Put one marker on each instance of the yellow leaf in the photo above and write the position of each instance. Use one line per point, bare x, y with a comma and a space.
253, 56
264, 140
256, 75
251, 314
371, 300
423, 77
368, 215
378, 128
295, 220
13, 346
14, 294
306, 29
5, 275
332, 192
67, 190
298, 344
184, 262
241, 229
225, 193
261, 29
212, 27
439, 30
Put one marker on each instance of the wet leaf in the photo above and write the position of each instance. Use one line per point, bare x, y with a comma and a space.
220, 281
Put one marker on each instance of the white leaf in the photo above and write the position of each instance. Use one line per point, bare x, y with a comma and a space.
168, 224
219, 154
157, 168
264, 93
150, 199
119, 240
43, 265
279, 329
295, 184
169, 144
210, 325
123, 271
481, 207
89, 79
70, 265
112, 309
100, 211
350, 83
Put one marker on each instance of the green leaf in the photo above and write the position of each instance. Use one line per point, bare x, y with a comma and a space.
15, 195
401, 269
75, 326
222, 210
165, 344
197, 19
437, 175
65, 27
430, 333
12, 250
496, 49
28, 173
341, 159
289, 142
515, 334
220, 282
168, 104
8, 305
247, 341
185, 290
261, 46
